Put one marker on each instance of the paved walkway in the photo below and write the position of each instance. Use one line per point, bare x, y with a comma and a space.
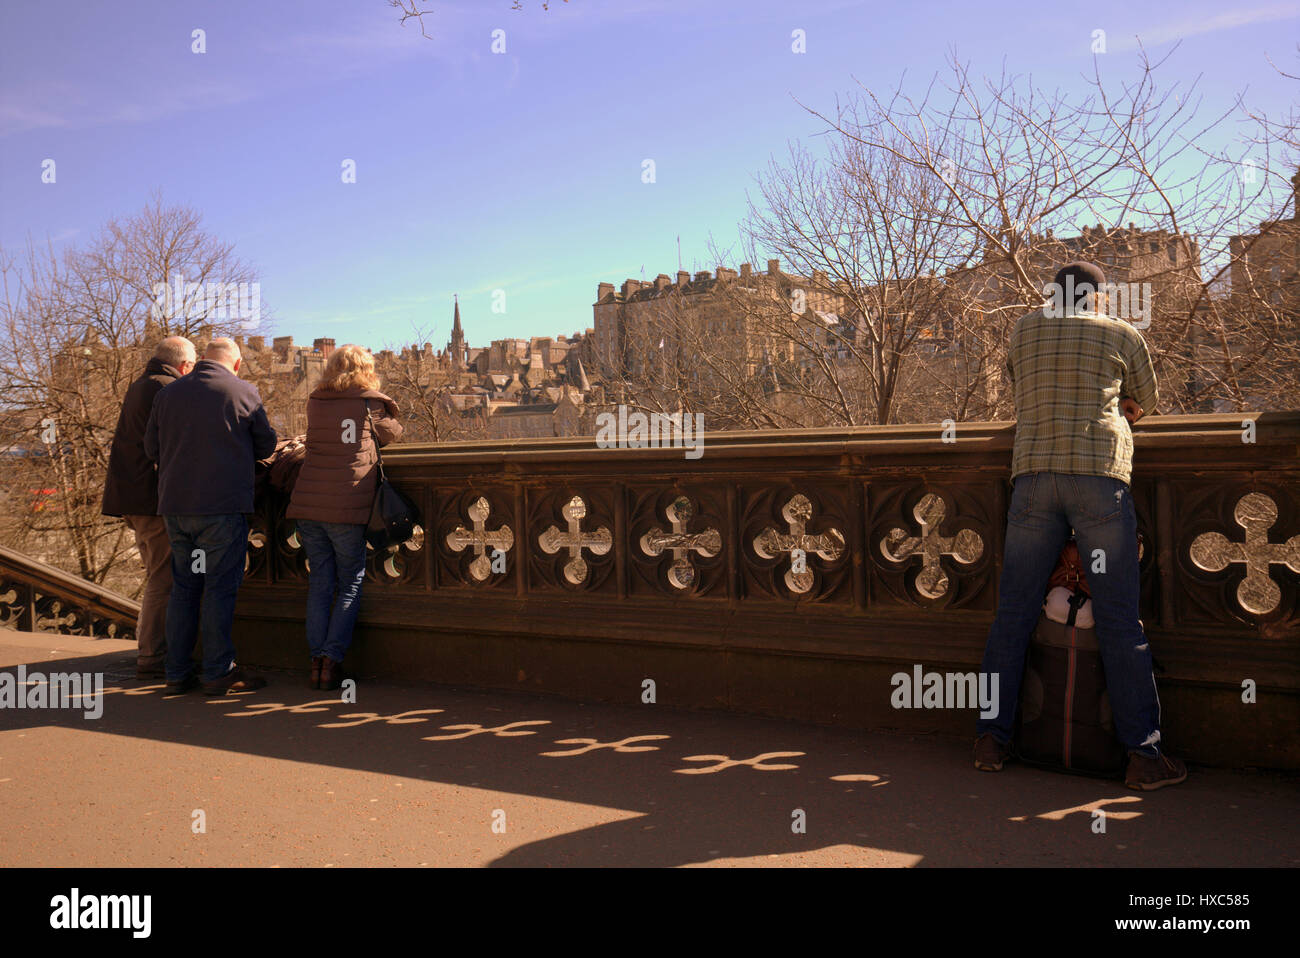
419, 775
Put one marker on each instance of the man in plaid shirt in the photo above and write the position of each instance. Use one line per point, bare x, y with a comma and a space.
1080, 378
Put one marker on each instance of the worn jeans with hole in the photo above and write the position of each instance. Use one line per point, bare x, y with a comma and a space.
336, 553
1044, 508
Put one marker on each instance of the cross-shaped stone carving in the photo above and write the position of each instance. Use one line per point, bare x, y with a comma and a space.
1212, 551
769, 543
460, 538
575, 540
966, 546
707, 543
51, 615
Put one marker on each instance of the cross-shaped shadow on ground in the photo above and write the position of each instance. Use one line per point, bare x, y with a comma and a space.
701, 787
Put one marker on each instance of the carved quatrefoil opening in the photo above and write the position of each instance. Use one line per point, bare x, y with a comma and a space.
1213, 551
575, 540
898, 545
393, 564
500, 540
769, 544
681, 574
256, 543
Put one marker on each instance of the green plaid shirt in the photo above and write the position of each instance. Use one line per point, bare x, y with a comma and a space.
1070, 374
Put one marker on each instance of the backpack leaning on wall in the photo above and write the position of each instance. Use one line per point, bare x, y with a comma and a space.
1065, 718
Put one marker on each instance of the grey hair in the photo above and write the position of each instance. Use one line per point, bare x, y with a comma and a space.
222, 349
175, 350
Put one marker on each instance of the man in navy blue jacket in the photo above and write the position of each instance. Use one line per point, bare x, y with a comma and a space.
205, 432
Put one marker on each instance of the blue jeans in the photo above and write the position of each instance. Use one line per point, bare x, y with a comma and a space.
208, 554
336, 552
1044, 507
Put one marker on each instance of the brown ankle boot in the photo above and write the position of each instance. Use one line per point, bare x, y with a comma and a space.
331, 673
316, 663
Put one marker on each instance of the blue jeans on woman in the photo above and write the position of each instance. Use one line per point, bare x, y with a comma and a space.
1044, 507
336, 552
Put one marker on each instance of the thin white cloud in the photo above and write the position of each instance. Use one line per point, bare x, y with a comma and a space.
1198, 25
43, 105
368, 44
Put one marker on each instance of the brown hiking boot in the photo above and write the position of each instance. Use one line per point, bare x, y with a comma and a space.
234, 682
1147, 774
990, 753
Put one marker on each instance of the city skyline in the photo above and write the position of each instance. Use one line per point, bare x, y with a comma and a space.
541, 217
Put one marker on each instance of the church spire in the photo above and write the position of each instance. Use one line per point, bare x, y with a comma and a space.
457, 349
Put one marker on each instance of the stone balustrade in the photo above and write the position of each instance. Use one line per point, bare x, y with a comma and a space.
792, 573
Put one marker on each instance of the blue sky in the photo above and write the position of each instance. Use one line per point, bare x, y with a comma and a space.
519, 171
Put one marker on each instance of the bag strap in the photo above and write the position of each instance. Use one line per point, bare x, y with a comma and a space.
1077, 598
379, 459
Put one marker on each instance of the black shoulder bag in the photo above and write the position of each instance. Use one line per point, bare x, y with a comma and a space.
393, 517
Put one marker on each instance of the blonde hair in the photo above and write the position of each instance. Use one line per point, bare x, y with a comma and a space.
348, 367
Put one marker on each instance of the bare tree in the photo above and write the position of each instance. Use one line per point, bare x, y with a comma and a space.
928, 225
413, 10
75, 331
1029, 172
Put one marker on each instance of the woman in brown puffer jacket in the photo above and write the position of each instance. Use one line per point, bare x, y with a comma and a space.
332, 499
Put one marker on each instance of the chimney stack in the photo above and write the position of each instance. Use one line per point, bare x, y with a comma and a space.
603, 290
683, 277
745, 270
773, 267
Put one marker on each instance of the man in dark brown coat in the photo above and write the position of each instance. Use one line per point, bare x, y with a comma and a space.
131, 491
332, 498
